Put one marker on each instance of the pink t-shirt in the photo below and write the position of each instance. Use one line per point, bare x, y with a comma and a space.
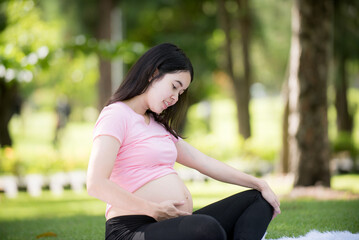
147, 151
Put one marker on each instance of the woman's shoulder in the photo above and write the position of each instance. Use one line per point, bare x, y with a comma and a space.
116, 111
113, 120
116, 108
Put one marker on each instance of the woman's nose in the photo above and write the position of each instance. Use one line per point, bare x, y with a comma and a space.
174, 98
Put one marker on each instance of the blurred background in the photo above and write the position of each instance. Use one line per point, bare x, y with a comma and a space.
276, 87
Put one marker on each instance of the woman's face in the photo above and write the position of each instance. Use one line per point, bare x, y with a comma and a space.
165, 92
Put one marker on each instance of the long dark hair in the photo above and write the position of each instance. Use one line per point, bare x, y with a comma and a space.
154, 64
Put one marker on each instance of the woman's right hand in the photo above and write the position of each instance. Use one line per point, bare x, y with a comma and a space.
169, 209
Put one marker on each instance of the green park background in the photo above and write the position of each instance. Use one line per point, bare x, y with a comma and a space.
51, 50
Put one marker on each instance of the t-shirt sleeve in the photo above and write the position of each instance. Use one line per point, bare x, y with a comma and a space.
174, 139
111, 122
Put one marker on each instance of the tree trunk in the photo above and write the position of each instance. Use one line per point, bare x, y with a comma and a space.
284, 158
344, 119
345, 49
226, 25
8, 93
240, 84
244, 90
308, 124
104, 33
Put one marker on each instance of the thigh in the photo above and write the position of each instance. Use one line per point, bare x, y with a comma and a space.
193, 227
228, 210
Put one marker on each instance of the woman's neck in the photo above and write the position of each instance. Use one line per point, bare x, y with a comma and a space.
137, 104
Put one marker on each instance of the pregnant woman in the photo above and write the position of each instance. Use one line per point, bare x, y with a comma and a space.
135, 146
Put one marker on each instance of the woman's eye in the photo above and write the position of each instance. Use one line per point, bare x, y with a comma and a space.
174, 87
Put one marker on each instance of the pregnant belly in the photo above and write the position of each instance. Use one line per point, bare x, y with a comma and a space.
168, 187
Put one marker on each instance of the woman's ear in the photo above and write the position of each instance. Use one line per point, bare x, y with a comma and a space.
154, 75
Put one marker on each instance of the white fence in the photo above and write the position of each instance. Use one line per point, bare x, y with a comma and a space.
56, 182
35, 182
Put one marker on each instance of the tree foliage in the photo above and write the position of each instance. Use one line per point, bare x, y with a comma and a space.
25, 48
26, 42
36, 54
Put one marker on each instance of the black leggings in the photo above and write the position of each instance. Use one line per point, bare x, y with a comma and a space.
245, 215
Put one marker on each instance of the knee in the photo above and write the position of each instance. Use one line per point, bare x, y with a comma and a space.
258, 199
205, 227
254, 193
267, 209
251, 195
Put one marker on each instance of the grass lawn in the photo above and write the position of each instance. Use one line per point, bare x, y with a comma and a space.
78, 216
71, 216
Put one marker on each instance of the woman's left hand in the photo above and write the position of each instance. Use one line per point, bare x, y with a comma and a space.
271, 198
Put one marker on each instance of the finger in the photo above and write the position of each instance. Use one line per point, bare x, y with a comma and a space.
275, 204
178, 203
277, 201
277, 208
183, 213
276, 212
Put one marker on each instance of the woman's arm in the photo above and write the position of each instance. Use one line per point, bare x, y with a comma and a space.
193, 158
102, 158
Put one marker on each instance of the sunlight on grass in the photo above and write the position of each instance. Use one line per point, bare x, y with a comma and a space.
348, 182
48, 205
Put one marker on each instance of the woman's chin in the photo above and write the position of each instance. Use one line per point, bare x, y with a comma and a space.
157, 111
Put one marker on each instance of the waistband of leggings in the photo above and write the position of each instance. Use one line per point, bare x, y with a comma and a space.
131, 218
